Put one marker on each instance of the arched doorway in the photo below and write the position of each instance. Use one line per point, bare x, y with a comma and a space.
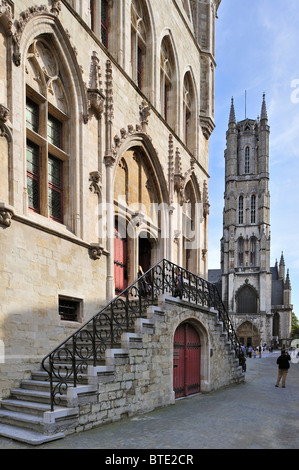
248, 334
120, 261
139, 191
144, 252
186, 361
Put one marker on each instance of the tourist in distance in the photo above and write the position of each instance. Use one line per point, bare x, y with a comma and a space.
283, 362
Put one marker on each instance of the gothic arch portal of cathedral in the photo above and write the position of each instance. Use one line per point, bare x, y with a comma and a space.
258, 296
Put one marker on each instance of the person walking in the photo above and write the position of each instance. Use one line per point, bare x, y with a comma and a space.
283, 362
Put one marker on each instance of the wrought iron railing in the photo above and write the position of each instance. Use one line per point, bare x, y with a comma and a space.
67, 363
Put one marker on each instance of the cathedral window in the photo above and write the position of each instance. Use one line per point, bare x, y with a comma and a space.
252, 251
241, 210
276, 321
253, 209
46, 122
241, 251
246, 300
247, 160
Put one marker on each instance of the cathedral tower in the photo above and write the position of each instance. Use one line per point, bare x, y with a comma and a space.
245, 246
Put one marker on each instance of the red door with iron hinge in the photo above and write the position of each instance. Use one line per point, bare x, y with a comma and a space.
120, 262
186, 361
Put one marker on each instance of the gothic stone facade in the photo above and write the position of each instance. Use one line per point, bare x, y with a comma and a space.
258, 297
106, 108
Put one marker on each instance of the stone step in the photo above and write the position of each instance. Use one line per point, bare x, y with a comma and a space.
27, 436
40, 375
22, 420
38, 385
26, 406
30, 395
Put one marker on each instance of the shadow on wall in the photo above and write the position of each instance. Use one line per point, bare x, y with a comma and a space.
27, 336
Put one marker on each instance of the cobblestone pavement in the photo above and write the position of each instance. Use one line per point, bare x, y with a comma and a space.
253, 415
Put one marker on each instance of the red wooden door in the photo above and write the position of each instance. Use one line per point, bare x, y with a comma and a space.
120, 262
186, 361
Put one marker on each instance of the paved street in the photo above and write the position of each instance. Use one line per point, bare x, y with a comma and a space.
254, 415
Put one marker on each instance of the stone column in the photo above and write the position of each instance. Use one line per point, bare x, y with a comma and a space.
109, 160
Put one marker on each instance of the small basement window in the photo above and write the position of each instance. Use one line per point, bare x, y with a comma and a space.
70, 309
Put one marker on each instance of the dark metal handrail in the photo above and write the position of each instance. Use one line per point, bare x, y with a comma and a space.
67, 363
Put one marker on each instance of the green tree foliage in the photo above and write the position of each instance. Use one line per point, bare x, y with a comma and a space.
295, 326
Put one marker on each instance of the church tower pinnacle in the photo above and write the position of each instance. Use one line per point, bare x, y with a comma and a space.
232, 115
264, 115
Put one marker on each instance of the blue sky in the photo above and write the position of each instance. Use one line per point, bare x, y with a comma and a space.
257, 44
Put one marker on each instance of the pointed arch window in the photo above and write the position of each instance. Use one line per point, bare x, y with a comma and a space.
99, 19
140, 46
46, 126
252, 251
253, 209
241, 210
247, 160
189, 111
186, 7
276, 324
167, 82
104, 22
241, 252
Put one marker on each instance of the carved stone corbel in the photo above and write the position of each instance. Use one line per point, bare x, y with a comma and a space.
144, 111
137, 218
95, 178
96, 251
4, 130
177, 236
56, 7
179, 180
6, 16
3, 113
207, 125
96, 98
6, 215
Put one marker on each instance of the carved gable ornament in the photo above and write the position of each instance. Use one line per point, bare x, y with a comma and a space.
23, 20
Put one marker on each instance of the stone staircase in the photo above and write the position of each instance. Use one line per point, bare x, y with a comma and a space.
27, 415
